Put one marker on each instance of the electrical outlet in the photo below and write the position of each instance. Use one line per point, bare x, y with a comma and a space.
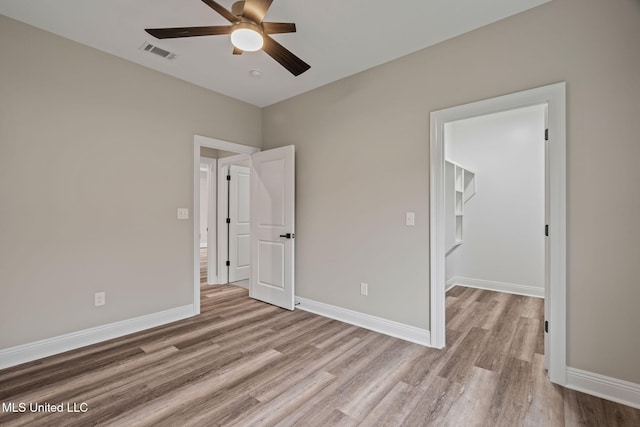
364, 288
183, 213
99, 299
411, 218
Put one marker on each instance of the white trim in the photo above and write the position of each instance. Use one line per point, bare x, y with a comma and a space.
198, 142
609, 388
219, 144
211, 169
450, 284
223, 237
511, 288
555, 97
377, 324
50, 346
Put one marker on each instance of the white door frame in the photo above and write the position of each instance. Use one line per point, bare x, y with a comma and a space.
200, 141
555, 97
212, 276
223, 235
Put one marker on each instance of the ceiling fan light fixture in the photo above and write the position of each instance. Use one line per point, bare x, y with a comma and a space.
247, 37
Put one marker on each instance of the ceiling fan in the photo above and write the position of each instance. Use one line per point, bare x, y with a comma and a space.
248, 32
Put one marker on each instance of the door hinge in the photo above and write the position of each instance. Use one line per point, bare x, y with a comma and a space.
228, 177
546, 230
546, 134
228, 220
546, 326
228, 263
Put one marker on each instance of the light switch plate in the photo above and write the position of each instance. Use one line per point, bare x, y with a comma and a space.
364, 288
99, 299
411, 218
183, 213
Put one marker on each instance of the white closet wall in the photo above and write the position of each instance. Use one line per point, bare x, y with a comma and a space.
503, 244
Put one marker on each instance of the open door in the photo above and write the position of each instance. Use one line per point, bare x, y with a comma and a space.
272, 205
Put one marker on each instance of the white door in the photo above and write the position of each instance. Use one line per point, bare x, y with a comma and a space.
239, 253
272, 226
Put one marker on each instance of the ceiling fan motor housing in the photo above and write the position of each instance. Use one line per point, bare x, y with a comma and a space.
237, 8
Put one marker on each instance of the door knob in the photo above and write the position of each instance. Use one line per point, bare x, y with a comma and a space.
288, 235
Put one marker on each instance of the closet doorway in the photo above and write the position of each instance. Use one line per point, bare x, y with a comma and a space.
552, 97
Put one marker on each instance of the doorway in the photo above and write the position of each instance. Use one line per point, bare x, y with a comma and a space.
553, 96
495, 201
272, 220
212, 259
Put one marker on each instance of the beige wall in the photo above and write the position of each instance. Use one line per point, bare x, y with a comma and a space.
96, 155
362, 161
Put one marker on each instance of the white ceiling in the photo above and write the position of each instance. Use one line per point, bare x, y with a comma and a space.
337, 38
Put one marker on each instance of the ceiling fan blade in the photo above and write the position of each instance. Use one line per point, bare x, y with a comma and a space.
172, 33
255, 10
278, 27
222, 11
237, 51
288, 60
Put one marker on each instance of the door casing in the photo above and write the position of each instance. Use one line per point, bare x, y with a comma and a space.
212, 273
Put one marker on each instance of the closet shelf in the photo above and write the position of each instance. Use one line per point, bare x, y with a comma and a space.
460, 186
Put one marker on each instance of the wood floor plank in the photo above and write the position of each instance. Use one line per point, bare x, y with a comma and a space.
547, 406
388, 411
243, 362
430, 405
174, 398
336, 419
512, 398
460, 364
523, 344
374, 388
472, 407
275, 409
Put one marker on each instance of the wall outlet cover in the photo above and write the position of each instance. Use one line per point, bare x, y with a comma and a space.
183, 213
99, 299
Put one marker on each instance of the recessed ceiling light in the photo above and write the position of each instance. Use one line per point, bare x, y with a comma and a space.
255, 73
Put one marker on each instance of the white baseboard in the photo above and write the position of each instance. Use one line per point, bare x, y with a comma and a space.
512, 288
50, 346
609, 388
378, 324
241, 283
451, 283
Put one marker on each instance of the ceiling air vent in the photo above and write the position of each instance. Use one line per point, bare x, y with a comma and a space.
148, 47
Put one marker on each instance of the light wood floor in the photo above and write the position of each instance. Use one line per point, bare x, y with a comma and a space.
245, 363
203, 265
